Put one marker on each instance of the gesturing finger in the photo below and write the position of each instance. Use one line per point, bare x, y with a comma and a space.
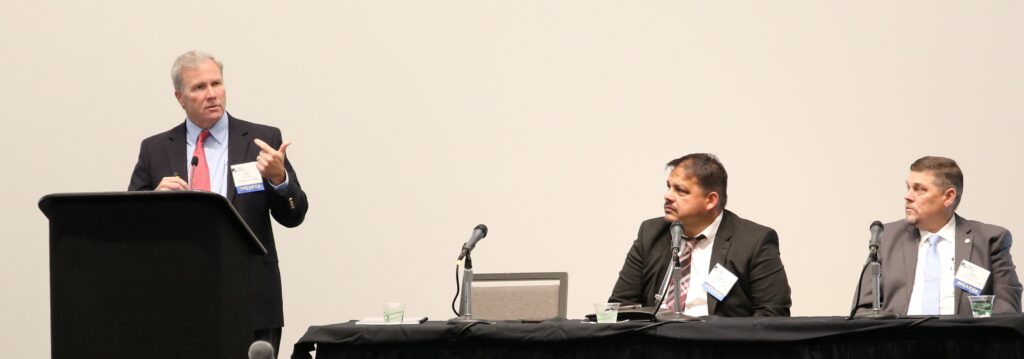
264, 146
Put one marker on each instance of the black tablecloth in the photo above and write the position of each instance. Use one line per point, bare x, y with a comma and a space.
716, 337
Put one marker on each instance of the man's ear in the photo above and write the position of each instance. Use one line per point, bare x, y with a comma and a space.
711, 201
949, 197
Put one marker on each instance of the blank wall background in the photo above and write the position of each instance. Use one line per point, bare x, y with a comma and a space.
549, 121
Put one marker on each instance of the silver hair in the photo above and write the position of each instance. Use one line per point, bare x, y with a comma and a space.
190, 60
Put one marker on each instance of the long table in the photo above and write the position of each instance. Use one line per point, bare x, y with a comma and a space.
715, 337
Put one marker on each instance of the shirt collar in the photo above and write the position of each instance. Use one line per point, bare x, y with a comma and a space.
712, 229
947, 232
219, 131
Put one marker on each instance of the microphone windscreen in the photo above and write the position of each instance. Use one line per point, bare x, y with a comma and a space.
261, 350
676, 228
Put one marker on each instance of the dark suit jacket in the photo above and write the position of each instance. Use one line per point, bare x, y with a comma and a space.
983, 244
747, 249
163, 155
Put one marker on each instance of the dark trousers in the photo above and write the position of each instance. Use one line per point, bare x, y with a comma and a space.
270, 335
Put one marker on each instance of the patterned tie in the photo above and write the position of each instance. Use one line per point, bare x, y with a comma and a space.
201, 174
932, 278
684, 269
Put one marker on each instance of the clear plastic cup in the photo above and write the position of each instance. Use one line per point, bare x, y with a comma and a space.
606, 312
981, 305
394, 313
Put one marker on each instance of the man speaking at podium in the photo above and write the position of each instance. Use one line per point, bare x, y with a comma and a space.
198, 155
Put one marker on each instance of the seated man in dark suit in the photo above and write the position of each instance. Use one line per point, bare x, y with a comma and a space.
717, 244
242, 161
926, 254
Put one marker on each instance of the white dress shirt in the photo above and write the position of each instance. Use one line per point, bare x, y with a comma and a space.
700, 264
946, 257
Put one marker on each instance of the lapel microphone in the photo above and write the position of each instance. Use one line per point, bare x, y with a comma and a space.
192, 171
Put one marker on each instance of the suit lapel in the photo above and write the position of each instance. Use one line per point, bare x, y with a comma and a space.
963, 247
176, 148
238, 145
908, 244
661, 256
719, 251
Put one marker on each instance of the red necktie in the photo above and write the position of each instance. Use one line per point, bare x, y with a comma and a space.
201, 174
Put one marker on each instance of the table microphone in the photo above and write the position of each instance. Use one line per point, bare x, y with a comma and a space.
677, 236
478, 233
876, 232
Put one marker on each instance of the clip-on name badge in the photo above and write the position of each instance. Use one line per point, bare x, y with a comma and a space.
247, 178
719, 282
970, 277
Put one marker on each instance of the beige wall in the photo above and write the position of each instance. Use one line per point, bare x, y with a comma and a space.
549, 121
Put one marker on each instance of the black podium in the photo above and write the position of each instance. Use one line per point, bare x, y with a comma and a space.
149, 275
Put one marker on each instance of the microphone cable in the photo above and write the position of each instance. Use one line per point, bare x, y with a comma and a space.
458, 286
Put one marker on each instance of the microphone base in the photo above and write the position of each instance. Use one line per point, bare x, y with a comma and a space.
875, 314
668, 316
465, 320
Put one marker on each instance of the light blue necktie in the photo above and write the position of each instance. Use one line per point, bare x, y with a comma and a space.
932, 277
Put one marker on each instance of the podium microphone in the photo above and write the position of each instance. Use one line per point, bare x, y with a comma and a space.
478, 233
261, 350
192, 171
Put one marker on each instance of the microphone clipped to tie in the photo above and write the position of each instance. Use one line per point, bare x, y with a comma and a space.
192, 170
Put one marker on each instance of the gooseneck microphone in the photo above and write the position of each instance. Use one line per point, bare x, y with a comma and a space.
677, 236
192, 171
478, 233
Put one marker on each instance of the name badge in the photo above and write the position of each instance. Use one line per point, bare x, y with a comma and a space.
719, 282
247, 178
970, 278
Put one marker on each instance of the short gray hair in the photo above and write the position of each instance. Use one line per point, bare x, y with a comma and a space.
946, 172
190, 60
